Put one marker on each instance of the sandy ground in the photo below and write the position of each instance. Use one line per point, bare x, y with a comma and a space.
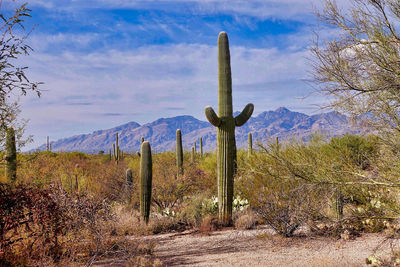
260, 247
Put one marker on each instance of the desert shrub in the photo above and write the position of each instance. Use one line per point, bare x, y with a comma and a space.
46, 222
288, 184
244, 220
51, 226
360, 150
208, 224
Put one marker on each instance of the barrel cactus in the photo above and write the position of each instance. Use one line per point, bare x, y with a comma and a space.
179, 151
11, 156
226, 123
146, 174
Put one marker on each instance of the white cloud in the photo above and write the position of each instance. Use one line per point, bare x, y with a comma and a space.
82, 91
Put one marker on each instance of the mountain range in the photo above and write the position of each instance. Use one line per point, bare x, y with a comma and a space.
161, 133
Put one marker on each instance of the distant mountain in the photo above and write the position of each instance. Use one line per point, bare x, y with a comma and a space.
281, 123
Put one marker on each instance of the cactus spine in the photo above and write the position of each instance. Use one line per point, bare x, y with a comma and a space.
11, 156
226, 123
145, 180
129, 179
250, 143
179, 151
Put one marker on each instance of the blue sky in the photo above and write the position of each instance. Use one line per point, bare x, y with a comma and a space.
108, 62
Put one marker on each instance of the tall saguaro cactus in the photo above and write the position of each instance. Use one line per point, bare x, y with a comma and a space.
47, 144
250, 144
11, 156
146, 175
179, 151
226, 123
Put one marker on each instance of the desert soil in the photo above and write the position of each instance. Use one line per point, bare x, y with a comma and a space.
261, 247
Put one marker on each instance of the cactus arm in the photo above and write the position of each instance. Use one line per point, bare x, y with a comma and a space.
245, 115
212, 117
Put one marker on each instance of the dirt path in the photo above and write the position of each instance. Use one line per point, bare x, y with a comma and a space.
263, 248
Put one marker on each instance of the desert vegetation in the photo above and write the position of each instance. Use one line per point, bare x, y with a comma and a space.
72, 208
75, 207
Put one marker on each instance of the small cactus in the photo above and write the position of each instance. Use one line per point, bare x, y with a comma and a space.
226, 123
116, 148
129, 179
338, 204
145, 180
250, 143
179, 151
11, 156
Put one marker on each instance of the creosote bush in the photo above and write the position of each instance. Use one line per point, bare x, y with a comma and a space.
288, 184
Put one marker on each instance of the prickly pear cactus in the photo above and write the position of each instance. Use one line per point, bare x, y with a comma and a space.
179, 151
11, 156
226, 123
146, 174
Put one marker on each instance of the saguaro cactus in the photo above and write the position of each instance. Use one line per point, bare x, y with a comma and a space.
179, 151
250, 144
193, 154
338, 201
226, 123
47, 144
116, 148
201, 147
146, 174
11, 156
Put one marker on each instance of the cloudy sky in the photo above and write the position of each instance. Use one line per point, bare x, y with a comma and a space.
108, 62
